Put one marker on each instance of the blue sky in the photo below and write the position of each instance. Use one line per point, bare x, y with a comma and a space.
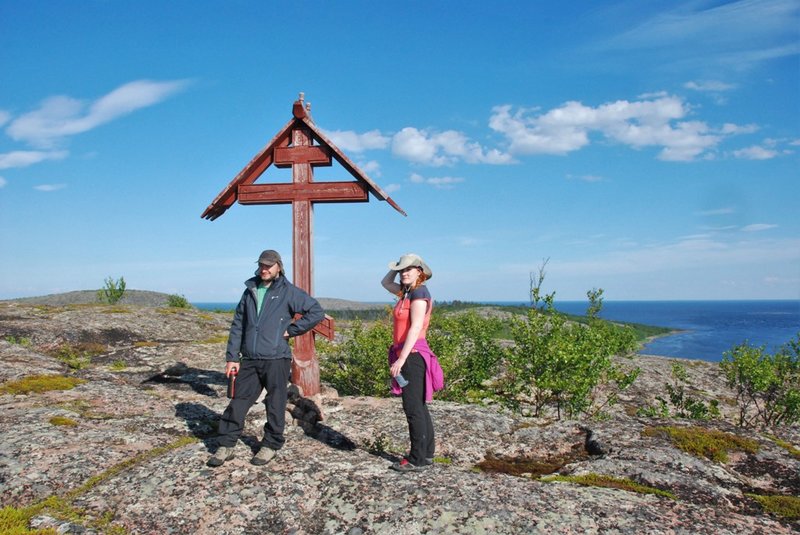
646, 148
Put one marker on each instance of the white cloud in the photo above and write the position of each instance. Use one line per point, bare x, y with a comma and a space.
4, 117
62, 116
709, 85
3, 182
730, 128
350, 141
371, 167
443, 148
758, 227
718, 211
391, 188
755, 153
24, 158
50, 187
445, 182
656, 122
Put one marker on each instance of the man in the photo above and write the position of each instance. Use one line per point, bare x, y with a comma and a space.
259, 354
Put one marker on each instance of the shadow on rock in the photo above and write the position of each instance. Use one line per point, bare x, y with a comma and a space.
308, 416
197, 379
201, 421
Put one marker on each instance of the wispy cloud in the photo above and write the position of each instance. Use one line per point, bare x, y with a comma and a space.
712, 86
718, 211
59, 117
659, 121
735, 35
443, 148
4, 117
755, 152
24, 158
444, 182
50, 187
700, 253
758, 227
586, 178
350, 141
3, 182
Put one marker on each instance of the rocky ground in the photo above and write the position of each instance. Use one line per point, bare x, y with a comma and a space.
125, 450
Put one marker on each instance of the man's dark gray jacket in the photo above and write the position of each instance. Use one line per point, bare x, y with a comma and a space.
260, 336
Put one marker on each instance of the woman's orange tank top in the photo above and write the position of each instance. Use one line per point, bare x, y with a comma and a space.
402, 320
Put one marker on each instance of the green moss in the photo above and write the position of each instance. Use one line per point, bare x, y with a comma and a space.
598, 480
794, 452
221, 338
21, 340
63, 420
84, 409
145, 344
77, 356
787, 507
118, 365
701, 442
40, 383
15, 521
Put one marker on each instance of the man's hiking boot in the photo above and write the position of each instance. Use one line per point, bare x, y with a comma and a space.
223, 454
264, 455
405, 466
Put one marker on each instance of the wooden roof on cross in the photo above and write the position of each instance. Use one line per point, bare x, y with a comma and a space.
247, 176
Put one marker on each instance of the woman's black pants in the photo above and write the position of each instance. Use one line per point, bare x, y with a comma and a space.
420, 425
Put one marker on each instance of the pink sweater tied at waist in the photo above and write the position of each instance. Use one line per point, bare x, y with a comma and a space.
434, 376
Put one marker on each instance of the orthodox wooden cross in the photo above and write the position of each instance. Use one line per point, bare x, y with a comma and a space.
301, 146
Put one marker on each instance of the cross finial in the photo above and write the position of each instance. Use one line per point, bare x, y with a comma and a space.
297, 109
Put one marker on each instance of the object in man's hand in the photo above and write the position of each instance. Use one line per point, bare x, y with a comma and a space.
232, 383
402, 381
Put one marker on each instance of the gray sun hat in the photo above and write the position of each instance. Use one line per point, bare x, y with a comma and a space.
269, 258
408, 260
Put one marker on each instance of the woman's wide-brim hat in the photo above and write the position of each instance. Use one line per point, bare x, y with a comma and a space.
411, 259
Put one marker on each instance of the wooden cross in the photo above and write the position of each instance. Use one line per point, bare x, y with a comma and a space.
294, 147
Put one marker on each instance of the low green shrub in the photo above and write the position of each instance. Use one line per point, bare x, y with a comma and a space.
178, 301
359, 365
767, 386
112, 292
682, 405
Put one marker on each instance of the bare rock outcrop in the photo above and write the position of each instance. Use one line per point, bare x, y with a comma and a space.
127, 447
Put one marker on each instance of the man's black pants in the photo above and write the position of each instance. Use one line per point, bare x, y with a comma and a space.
420, 425
272, 374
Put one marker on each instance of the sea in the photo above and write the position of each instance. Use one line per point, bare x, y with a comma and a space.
705, 330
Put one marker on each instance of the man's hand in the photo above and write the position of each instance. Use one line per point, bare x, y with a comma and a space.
231, 367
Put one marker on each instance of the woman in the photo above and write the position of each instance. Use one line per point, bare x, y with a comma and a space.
410, 356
